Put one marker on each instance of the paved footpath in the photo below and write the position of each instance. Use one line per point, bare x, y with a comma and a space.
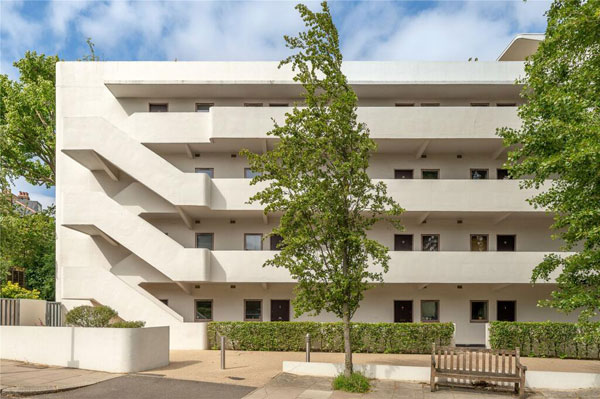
289, 386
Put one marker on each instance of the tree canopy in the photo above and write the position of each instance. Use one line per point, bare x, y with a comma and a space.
560, 140
317, 180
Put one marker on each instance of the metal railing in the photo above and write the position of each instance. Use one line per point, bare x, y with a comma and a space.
10, 312
53, 314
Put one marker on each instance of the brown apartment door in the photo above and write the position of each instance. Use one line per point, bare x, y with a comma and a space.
280, 310
507, 311
403, 312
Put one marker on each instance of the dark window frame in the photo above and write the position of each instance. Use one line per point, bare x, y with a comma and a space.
439, 242
261, 309
248, 170
253, 104
430, 170
507, 176
507, 235
477, 104
412, 236
151, 104
412, 176
487, 173
487, 311
507, 300
210, 105
212, 248
439, 310
212, 316
253, 234
404, 104
487, 242
211, 174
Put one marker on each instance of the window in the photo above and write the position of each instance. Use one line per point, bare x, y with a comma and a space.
430, 104
276, 242
252, 241
480, 104
405, 104
505, 243
479, 242
430, 242
205, 240
204, 311
252, 310
506, 311
209, 171
479, 311
253, 104
430, 173
249, 173
502, 174
403, 242
403, 174
479, 174
165, 301
17, 275
506, 104
158, 107
278, 105
203, 107
430, 310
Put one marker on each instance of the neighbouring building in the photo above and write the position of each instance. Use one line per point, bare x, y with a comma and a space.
152, 209
25, 205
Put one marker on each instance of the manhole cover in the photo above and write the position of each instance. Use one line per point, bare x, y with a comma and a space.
236, 378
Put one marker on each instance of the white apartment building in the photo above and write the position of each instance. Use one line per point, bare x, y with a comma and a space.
152, 209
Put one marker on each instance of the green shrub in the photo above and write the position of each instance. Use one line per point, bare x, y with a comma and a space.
355, 383
328, 337
548, 339
128, 324
90, 316
13, 290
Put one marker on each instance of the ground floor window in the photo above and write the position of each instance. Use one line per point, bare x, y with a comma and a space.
479, 311
507, 311
430, 310
280, 310
252, 310
17, 275
204, 310
403, 311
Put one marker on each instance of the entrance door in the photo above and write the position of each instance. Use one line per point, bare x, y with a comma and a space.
280, 310
507, 311
403, 312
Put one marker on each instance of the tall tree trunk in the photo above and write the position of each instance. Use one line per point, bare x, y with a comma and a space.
347, 342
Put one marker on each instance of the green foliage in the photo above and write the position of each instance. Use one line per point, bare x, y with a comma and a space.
13, 290
28, 241
27, 120
560, 140
356, 382
90, 316
548, 339
328, 337
128, 324
317, 179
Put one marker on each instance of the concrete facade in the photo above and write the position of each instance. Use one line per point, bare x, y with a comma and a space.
130, 202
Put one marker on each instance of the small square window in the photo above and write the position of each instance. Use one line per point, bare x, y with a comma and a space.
479, 242
209, 171
159, 107
403, 174
204, 310
252, 242
430, 242
505, 243
203, 107
430, 310
252, 310
403, 242
479, 174
431, 174
249, 173
205, 240
479, 311
502, 174
276, 242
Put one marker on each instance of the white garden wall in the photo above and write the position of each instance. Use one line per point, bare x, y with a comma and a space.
117, 350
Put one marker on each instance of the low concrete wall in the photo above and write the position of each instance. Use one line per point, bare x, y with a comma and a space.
32, 312
117, 350
534, 379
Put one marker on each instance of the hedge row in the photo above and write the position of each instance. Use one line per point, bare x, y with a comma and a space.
548, 339
328, 337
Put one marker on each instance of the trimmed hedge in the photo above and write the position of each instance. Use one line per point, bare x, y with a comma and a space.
128, 324
328, 337
548, 339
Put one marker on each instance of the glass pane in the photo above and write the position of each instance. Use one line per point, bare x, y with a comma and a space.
479, 174
403, 242
204, 240
479, 311
276, 242
429, 310
479, 242
431, 242
203, 310
203, 107
403, 174
249, 173
253, 242
159, 108
253, 310
209, 171
431, 174
502, 174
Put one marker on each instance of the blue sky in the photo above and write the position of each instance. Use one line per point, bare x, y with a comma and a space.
253, 30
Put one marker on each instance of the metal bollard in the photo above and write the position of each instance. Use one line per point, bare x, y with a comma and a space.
307, 348
222, 352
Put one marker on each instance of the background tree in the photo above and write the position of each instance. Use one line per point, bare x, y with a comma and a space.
560, 140
317, 179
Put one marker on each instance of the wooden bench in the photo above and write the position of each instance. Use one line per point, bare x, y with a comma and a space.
477, 365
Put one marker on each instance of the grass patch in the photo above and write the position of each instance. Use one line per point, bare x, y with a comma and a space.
355, 383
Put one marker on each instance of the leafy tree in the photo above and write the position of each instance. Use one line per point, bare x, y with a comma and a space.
27, 120
560, 140
29, 241
317, 179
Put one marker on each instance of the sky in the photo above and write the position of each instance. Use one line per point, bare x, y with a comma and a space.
253, 30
